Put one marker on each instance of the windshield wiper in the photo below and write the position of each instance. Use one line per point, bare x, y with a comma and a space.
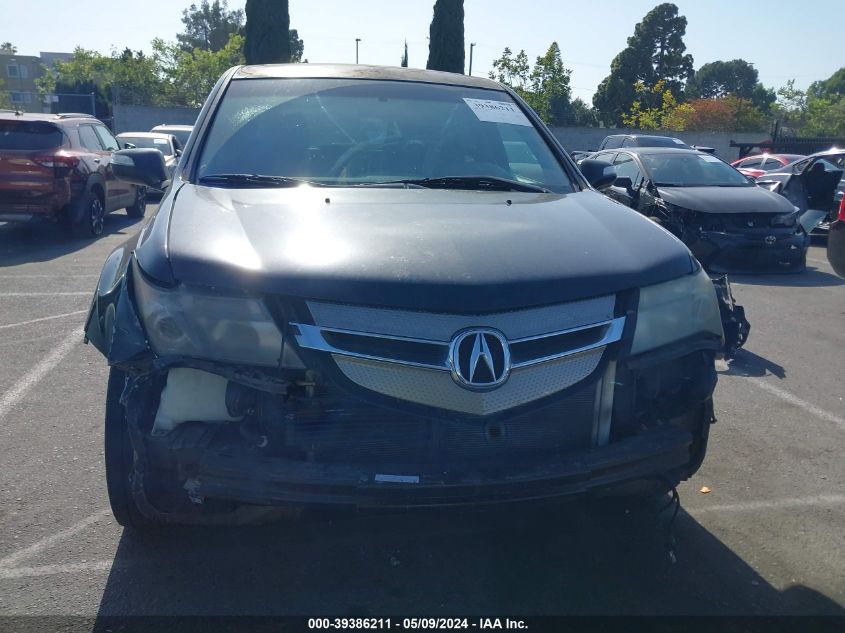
491, 183
253, 180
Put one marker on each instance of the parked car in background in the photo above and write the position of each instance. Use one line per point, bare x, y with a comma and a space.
167, 144
729, 223
811, 184
641, 140
57, 167
444, 315
181, 132
755, 166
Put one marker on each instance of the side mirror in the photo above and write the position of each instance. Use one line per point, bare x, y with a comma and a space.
140, 166
128, 146
178, 153
600, 174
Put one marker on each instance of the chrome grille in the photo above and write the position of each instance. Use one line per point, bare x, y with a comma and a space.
406, 355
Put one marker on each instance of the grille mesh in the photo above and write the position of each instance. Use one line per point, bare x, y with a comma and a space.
437, 389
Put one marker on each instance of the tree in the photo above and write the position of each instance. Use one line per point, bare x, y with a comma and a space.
545, 87
209, 25
825, 116
655, 52
718, 79
512, 71
446, 37
404, 62
726, 114
669, 115
7, 48
190, 75
833, 86
550, 89
267, 33
297, 46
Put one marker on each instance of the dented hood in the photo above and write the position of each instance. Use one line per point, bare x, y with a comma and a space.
750, 199
459, 251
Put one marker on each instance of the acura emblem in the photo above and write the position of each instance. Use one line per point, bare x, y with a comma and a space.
480, 358
770, 239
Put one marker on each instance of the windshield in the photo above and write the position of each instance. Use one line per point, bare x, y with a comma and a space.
689, 169
161, 144
371, 132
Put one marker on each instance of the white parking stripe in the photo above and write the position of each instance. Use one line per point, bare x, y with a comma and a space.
49, 318
50, 276
34, 375
52, 570
49, 541
774, 504
798, 402
46, 294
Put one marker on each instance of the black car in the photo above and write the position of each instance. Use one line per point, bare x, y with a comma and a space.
729, 223
814, 184
384, 287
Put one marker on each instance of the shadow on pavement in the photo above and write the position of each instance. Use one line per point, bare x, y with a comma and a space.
747, 363
810, 278
606, 557
40, 241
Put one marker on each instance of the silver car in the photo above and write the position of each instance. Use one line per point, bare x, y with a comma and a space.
167, 144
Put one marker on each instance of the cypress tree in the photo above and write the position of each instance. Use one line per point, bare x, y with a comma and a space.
267, 36
446, 37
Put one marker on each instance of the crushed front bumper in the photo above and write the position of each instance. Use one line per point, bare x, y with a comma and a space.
656, 459
751, 252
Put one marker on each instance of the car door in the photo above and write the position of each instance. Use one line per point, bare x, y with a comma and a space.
90, 140
119, 193
621, 190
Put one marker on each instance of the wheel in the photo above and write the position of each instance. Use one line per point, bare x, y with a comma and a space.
88, 218
137, 209
119, 458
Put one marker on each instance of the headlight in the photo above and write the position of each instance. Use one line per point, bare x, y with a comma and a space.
786, 219
203, 324
675, 310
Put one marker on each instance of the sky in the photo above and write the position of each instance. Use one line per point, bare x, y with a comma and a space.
783, 39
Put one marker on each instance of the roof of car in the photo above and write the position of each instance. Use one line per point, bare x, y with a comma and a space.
146, 134
360, 71
168, 126
658, 150
40, 116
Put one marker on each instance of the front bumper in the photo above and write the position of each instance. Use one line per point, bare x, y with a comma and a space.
657, 460
751, 252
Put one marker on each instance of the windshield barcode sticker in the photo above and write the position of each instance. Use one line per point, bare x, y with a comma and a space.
497, 111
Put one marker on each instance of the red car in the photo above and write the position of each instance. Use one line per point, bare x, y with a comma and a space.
57, 167
758, 165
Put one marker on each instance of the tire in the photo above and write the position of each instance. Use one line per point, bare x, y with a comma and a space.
87, 219
139, 207
119, 458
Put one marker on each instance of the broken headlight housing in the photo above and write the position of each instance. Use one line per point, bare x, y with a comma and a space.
676, 310
787, 219
200, 323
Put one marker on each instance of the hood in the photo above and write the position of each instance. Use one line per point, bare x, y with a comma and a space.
726, 199
432, 250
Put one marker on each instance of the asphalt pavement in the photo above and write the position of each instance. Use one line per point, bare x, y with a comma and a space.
769, 537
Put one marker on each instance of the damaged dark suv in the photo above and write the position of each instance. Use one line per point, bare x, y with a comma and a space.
379, 287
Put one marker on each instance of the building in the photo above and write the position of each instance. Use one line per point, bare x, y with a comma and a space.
18, 74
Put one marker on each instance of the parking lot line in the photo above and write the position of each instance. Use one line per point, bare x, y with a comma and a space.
33, 376
774, 504
49, 318
49, 541
45, 294
52, 570
799, 402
